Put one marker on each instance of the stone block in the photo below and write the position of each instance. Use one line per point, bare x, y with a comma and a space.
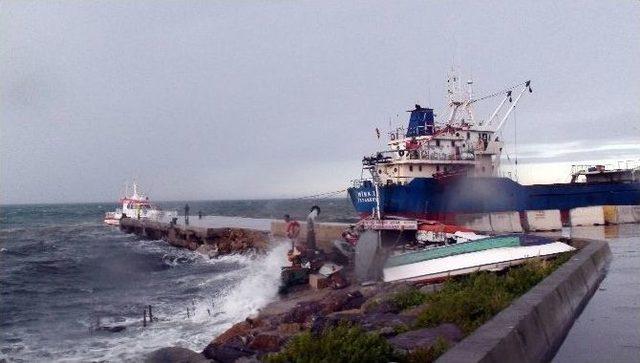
317, 281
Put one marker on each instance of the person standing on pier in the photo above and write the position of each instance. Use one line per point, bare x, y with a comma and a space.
311, 232
199, 214
292, 230
186, 214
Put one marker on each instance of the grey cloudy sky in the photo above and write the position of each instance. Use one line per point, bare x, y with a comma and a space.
218, 100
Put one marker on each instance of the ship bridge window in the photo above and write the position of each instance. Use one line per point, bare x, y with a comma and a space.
437, 167
437, 142
379, 171
410, 167
453, 143
468, 135
420, 168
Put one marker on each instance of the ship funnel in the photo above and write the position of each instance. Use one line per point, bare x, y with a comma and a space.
420, 122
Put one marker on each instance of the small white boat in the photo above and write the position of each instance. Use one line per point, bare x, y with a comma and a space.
492, 253
433, 232
137, 206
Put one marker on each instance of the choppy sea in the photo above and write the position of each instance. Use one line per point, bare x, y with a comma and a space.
63, 273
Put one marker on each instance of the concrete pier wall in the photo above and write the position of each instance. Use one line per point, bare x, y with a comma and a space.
477, 221
543, 220
587, 216
326, 233
535, 325
505, 222
620, 214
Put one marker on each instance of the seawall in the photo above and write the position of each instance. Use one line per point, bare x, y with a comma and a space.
535, 325
326, 233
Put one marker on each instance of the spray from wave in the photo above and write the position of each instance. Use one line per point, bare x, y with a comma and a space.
217, 293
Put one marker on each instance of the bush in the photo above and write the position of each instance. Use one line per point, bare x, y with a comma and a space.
342, 343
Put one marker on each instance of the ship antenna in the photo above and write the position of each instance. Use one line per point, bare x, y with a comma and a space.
515, 142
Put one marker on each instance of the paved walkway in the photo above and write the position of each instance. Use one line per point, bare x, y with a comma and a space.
224, 221
608, 330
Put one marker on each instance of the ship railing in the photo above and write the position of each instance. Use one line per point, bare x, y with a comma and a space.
433, 155
578, 169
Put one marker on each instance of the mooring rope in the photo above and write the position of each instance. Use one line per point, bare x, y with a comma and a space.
327, 194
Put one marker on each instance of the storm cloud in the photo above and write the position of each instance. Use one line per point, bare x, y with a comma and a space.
218, 100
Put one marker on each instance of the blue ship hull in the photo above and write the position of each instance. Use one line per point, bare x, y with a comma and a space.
434, 199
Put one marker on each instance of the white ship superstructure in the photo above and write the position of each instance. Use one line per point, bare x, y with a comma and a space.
137, 206
461, 145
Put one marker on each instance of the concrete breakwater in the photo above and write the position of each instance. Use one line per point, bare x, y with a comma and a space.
208, 241
216, 240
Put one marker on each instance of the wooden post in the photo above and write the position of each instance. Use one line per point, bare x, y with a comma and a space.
150, 315
188, 312
144, 317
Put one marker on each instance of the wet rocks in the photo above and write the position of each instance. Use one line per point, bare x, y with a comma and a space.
426, 337
175, 354
367, 307
209, 241
113, 329
208, 250
266, 342
231, 350
240, 329
382, 320
303, 311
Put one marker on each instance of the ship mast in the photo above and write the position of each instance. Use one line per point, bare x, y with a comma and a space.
459, 100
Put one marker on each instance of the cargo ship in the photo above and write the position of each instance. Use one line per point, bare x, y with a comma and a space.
443, 170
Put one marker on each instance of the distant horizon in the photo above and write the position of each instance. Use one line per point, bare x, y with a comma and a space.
173, 201
526, 169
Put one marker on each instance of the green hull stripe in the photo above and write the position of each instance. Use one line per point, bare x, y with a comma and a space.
456, 249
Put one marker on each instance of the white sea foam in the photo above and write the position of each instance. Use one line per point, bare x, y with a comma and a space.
255, 290
254, 285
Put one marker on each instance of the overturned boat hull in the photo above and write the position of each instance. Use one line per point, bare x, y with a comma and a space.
492, 254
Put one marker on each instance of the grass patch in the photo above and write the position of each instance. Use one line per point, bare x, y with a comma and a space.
343, 343
472, 300
407, 298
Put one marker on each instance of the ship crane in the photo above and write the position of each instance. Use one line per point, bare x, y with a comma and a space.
509, 96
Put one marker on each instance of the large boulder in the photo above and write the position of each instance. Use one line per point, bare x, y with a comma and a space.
425, 338
342, 300
382, 320
289, 329
231, 350
303, 312
175, 355
379, 305
266, 342
240, 329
